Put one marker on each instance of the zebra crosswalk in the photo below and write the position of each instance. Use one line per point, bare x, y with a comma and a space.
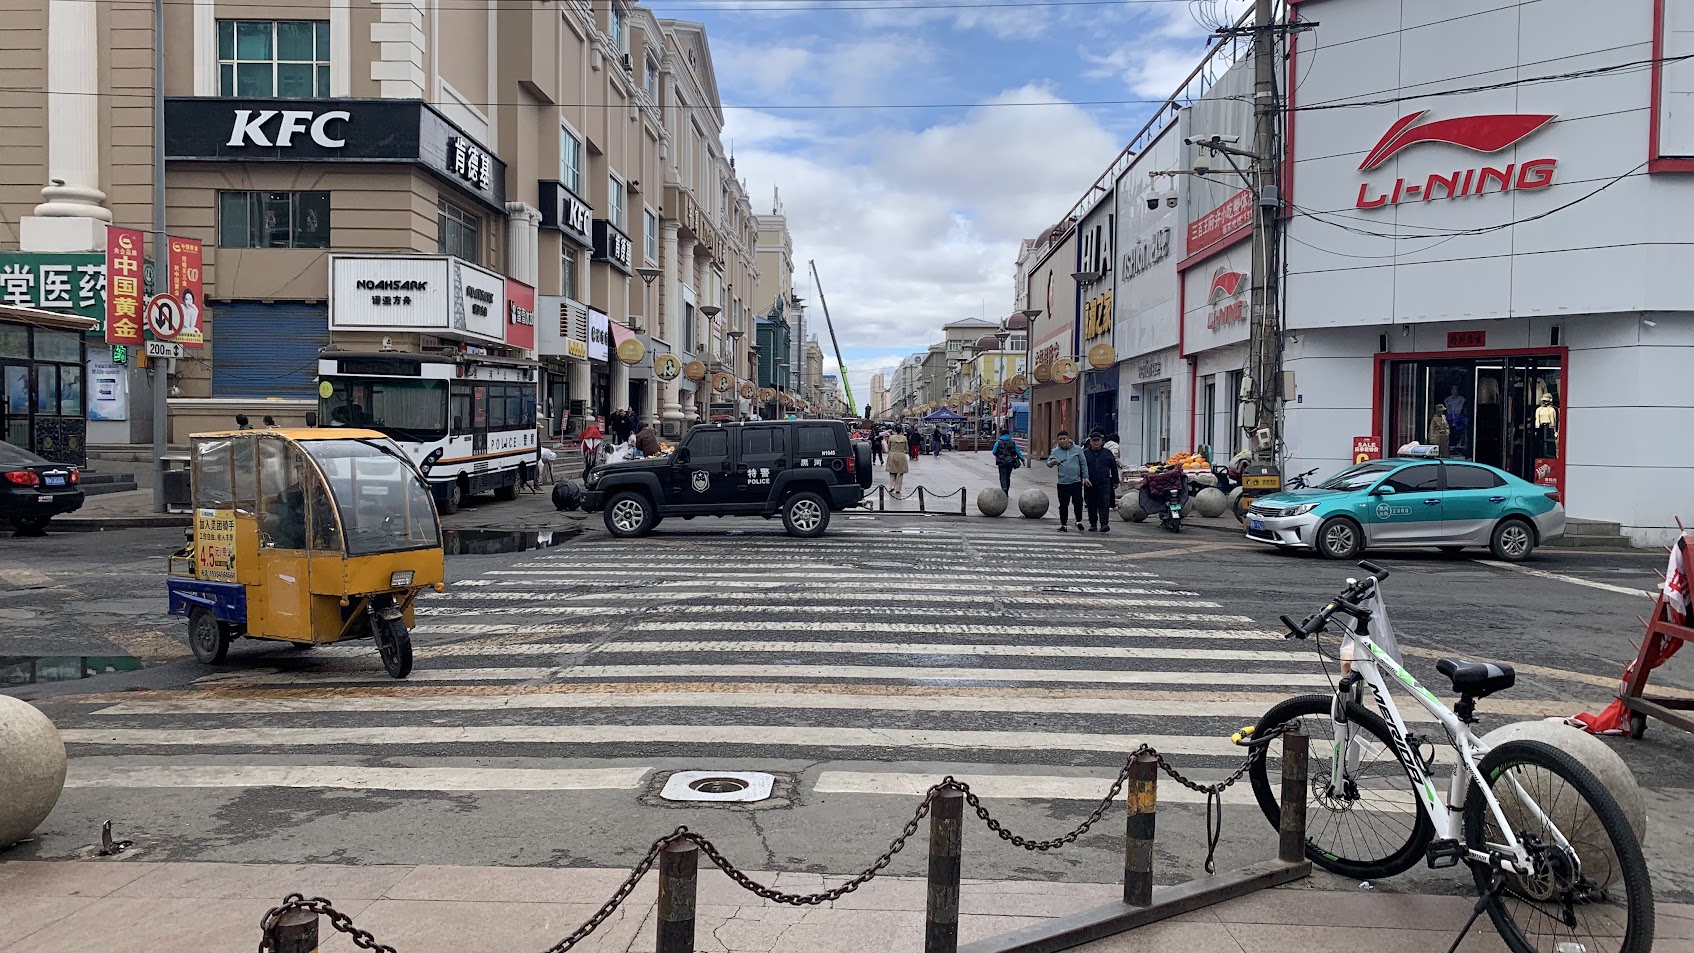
863, 663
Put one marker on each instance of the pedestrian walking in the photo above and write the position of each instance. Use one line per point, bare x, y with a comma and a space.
1068, 457
1099, 483
1007, 457
914, 443
898, 462
879, 445
623, 424
241, 422
591, 438
935, 442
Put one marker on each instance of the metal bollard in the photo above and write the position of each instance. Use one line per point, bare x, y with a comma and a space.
946, 851
1143, 796
1291, 847
881, 498
920, 499
295, 932
962, 501
678, 875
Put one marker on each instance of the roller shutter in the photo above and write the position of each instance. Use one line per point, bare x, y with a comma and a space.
267, 350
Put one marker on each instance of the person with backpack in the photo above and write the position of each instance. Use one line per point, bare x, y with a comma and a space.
1007, 457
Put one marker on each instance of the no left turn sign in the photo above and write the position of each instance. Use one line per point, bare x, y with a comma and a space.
164, 315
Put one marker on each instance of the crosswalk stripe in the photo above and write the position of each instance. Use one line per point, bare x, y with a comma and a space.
470, 650
815, 586
606, 623
1023, 573
800, 599
901, 673
762, 736
694, 625
697, 612
1247, 706
82, 774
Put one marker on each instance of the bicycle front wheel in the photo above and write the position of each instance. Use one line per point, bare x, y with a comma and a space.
1601, 904
1376, 826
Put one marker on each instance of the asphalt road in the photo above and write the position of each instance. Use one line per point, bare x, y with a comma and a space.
557, 691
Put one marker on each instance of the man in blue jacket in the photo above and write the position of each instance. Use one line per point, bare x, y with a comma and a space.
1068, 457
1007, 457
1100, 478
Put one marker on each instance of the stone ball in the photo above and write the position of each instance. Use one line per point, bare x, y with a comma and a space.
1203, 479
1032, 504
1594, 754
991, 501
1130, 508
32, 769
1234, 499
1211, 502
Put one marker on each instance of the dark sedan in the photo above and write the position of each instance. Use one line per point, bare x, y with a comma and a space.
33, 490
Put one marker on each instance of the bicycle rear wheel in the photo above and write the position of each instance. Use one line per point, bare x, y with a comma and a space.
1604, 907
1377, 828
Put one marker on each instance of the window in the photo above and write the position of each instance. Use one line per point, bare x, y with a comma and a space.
213, 479
287, 59
651, 81
567, 271
570, 161
687, 326
762, 442
273, 219
650, 234
813, 440
1016, 342
1472, 478
955, 345
614, 200
616, 22
1209, 423
459, 232
708, 444
1419, 479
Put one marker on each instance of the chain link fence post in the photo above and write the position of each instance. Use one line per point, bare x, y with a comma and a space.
1143, 801
946, 852
296, 931
679, 873
1291, 847
920, 499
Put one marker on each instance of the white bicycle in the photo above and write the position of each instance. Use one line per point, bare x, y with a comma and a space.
1556, 864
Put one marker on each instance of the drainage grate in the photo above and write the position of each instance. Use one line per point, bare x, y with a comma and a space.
720, 786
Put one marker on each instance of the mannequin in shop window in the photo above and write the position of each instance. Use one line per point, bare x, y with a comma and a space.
1547, 426
1439, 431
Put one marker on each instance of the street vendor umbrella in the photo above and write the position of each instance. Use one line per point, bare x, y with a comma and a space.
944, 415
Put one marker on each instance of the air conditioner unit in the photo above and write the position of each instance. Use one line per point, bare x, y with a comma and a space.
628, 67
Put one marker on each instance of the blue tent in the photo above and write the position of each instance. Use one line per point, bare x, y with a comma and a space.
944, 415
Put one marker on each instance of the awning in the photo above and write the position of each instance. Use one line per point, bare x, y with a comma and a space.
943, 415
56, 320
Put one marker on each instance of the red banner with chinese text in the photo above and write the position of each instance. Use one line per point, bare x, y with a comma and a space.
123, 285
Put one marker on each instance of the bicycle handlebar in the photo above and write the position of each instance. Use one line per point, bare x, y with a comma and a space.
1341, 603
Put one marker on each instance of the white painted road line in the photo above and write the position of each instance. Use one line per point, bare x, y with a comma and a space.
899, 673
806, 600
761, 736
1573, 580
476, 650
929, 628
769, 627
84, 775
1025, 786
1247, 706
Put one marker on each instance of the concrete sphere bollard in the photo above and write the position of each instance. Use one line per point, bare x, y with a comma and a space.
1234, 499
1211, 502
1595, 755
1207, 479
32, 769
1130, 508
1032, 504
991, 501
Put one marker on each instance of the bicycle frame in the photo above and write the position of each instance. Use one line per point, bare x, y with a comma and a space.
1372, 663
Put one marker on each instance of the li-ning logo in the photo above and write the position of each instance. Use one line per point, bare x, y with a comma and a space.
1489, 133
1227, 284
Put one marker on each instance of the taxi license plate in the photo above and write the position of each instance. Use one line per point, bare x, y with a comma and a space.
54, 481
1256, 524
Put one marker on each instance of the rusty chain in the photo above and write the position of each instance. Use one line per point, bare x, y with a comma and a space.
365, 941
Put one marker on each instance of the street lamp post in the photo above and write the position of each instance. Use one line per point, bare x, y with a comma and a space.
735, 336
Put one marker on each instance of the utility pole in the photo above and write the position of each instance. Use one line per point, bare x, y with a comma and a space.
1266, 337
161, 380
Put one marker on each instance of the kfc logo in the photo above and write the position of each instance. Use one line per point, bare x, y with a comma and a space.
1227, 284
1485, 134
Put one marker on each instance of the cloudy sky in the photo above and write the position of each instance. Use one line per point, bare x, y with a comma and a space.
917, 141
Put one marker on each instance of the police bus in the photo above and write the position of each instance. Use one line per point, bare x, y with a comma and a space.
466, 420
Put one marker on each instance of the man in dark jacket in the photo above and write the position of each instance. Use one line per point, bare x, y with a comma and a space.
1007, 457
647, 441
1100, 478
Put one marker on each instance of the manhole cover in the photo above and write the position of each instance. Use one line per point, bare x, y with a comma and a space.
742, 786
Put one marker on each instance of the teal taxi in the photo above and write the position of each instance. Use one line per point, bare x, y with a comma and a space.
1410, 503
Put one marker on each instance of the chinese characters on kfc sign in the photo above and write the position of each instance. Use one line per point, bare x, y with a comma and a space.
123, 286
1484, 134
1233, 215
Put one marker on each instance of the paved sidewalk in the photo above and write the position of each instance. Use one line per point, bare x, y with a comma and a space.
131, 904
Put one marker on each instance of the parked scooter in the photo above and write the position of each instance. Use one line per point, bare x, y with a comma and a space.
1165, 492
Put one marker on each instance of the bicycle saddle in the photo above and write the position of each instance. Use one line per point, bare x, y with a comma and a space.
1477, 679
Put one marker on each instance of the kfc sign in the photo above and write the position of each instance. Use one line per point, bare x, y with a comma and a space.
1485, 134
1229, 305
254, 127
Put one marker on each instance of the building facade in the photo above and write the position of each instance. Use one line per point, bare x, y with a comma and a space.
569, 152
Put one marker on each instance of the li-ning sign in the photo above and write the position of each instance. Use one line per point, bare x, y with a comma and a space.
1485, 134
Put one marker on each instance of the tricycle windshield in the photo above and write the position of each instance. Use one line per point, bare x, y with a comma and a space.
1357, 478
384, 505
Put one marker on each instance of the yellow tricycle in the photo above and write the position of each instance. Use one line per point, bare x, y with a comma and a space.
305, 536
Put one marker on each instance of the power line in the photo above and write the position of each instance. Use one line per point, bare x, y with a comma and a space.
1510, 254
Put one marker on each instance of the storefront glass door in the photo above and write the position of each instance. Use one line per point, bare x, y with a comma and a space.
1156, 399
16, 407
1502, 411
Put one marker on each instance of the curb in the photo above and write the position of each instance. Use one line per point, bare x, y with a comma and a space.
100, 524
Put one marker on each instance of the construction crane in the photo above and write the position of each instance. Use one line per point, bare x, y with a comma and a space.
852, 408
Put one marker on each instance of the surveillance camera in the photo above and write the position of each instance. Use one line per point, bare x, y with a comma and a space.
1170, 200
1152, 201
1202, 164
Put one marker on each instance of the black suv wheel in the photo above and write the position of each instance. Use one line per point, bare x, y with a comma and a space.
862, 464
805, 515
629, 515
